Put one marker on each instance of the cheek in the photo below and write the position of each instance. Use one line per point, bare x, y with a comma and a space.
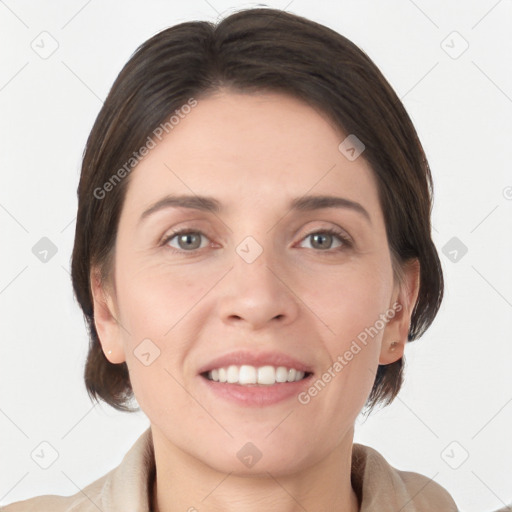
155, 298
352, 303
350, 299
157, 306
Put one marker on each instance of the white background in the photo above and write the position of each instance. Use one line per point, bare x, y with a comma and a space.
458, 377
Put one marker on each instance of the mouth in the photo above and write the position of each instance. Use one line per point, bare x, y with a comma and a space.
257, 379
248, 375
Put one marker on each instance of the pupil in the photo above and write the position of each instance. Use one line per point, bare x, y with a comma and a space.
188, 241
319, 240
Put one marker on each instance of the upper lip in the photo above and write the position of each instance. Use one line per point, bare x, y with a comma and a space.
257, 359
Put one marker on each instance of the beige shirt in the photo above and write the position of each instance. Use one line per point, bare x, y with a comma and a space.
127, 488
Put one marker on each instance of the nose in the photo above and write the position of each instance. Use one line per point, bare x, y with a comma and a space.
258, 294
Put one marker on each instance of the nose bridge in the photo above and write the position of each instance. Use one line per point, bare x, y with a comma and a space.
255, 293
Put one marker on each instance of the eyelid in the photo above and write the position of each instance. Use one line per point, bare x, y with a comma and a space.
181, 231
189, 226
341, 234
327, 227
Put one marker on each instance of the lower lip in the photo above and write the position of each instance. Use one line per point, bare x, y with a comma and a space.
256, 395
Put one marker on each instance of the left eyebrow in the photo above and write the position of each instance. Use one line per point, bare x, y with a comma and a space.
307, 203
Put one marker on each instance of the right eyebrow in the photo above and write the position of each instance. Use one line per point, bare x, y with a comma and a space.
184, 201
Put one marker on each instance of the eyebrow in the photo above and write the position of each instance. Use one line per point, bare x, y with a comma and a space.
205, 203
308, 203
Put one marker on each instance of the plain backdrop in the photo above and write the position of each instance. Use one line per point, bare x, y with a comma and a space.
450, 64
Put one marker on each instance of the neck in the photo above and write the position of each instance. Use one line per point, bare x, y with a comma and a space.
184, 483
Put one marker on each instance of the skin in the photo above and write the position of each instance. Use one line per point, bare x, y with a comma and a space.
253, 153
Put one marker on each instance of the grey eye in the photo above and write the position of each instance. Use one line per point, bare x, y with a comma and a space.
186, 241
323, 240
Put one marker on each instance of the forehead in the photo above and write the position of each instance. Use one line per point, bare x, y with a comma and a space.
250, 149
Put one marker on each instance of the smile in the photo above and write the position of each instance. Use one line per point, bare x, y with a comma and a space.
250, 375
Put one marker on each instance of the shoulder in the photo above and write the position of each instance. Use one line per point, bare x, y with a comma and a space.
123, 488
378, 482
89, 499
426, 493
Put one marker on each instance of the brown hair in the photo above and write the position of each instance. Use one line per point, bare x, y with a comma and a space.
254, 50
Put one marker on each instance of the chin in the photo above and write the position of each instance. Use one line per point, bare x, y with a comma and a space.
254, 458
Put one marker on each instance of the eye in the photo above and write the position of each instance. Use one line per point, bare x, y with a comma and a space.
325, 238
186, 240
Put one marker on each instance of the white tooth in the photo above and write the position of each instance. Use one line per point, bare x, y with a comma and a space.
247, 375
266, 375
281, 374
292, 372
233, 374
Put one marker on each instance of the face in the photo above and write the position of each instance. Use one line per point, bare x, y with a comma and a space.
261, 276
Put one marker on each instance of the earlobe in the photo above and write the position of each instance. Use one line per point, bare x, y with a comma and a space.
397, 329
105, 320
391, 352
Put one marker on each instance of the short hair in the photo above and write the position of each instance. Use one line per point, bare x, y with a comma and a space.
252, 51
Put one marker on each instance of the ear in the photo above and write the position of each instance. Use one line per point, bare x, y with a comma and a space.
105, 318
403, 302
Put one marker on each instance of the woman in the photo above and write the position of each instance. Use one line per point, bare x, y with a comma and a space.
252, 253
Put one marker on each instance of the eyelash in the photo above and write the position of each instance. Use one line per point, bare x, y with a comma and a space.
346, 242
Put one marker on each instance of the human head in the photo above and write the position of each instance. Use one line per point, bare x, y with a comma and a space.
253, 51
